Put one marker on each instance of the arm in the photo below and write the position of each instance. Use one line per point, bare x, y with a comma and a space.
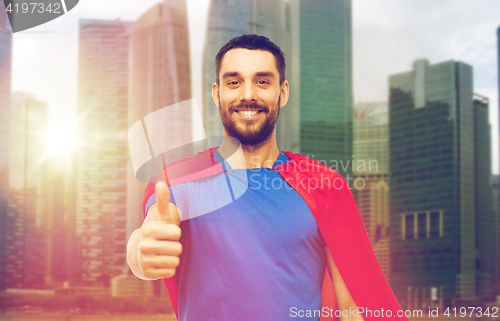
344, 298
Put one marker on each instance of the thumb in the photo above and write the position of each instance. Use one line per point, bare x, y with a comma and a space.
162, 200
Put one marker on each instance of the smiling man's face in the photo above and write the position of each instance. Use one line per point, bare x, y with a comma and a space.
249, 95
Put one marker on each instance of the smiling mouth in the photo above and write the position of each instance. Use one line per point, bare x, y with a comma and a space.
248, 112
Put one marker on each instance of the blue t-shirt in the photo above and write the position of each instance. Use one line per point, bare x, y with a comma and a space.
252, 249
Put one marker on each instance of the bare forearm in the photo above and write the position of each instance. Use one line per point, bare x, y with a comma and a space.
344, 300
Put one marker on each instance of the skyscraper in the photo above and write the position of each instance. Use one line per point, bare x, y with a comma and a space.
61, 257
485, 216
5, 84
495, 189
432, 184
159, 76
371, 138
25, 226
102, 158
370, 185
229, 19
321, 69
496, 209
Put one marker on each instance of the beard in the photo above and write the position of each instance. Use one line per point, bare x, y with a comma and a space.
250, 131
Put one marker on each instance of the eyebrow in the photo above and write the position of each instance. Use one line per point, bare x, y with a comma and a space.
258, 74
265, 74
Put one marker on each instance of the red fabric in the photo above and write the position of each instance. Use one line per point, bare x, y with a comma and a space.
332, 204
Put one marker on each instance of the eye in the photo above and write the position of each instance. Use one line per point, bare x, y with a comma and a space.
263, 82
234, 82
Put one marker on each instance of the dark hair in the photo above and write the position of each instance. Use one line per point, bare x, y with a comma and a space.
253, 42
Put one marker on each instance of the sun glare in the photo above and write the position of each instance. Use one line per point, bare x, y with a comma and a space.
61, 140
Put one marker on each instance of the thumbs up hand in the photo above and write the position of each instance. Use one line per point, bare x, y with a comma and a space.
153, 250
163, 205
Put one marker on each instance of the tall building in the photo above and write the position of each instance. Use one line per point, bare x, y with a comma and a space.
321, 69
102, 158
496, 208
25, 261
229, 19
5, 84
370, 185
495, 189
433, 199
485, 216
159, 76
61, 257
371, 138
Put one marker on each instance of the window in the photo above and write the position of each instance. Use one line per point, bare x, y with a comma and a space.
435, 224
409, 227
422, 225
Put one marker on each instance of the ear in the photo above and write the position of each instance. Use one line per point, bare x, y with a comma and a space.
285, 90
215, 94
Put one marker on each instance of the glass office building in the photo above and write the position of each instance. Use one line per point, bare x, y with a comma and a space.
433, 186
370, 184
229, 19
485, 216
159, 76
102, 158
25, 261
321, 69
5, 84
496, 208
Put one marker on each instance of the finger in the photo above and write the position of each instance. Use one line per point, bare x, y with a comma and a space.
158, 231
162, 199
160, 262
150, 247
159, 273
162, 248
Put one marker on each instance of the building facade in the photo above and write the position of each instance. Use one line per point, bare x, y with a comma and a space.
102, 158
496, 208
433, 203
370, 165
61, 257
5, 88
26, 242
159, 76
485, 216
495, 194
321, 70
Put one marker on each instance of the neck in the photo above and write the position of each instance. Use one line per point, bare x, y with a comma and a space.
249, 156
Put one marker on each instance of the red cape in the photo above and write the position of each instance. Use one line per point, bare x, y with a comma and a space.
331, 202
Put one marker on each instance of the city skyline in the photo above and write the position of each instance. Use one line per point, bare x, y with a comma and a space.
378, 34
105, 73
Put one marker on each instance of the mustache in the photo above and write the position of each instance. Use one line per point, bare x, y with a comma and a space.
249, 106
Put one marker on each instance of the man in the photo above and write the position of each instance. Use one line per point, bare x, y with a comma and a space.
258, 249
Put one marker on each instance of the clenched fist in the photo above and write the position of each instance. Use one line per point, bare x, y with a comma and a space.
153, 250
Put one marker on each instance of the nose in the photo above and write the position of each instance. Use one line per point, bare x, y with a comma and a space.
248, 92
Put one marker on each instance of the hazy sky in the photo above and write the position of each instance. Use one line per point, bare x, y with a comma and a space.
388, 35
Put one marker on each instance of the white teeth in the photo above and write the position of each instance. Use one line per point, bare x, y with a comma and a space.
248, 112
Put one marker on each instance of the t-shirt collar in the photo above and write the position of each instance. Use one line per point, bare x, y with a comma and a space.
282, 158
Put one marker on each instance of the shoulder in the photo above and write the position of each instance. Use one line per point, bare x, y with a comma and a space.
188, 168
183, 170
299, 162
